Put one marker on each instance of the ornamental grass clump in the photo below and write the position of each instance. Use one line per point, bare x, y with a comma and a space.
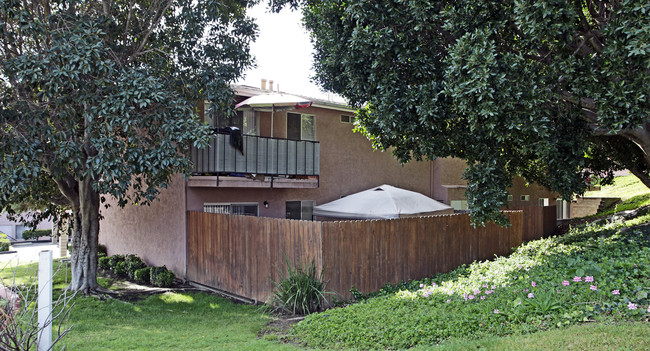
300, 290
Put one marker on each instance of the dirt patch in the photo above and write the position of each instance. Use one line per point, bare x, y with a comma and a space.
278, 329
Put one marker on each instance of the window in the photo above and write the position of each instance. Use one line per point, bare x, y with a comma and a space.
348, 119
301, 127
246, 121
459, 205
300, 210
243, 209
510, 198
525, 198
543, 201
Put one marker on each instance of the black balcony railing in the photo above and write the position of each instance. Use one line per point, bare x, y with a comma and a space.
259, 155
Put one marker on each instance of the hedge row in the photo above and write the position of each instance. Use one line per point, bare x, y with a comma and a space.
4, 242
35, 234
133, 268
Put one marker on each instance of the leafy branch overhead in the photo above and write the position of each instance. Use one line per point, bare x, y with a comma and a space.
555, 91
98, 98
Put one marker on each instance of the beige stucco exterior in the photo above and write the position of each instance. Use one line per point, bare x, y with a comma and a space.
156, 232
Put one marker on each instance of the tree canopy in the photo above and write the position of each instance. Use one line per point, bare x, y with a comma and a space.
99, 98
554, 91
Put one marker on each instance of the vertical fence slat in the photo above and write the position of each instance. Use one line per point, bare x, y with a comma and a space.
242, 254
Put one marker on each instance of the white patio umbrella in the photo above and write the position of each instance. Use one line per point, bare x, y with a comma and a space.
272, 103
382, 202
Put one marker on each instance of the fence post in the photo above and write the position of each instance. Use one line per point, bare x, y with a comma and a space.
45, 300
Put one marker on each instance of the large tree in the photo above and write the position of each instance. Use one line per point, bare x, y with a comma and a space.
98, 98
555, 91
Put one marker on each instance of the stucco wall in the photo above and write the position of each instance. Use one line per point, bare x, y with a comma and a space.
156, 232
348, 164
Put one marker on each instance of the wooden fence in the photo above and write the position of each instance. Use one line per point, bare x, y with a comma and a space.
242, 255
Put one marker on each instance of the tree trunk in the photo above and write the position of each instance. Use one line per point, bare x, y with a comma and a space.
85, 239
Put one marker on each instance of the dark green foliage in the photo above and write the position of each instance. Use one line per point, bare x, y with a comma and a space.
554, 91
300, 290
133, 263
35, 234
4, 242
142, 275
104, 262
99, 99
114, 260
121, 269
101, 250
162, 277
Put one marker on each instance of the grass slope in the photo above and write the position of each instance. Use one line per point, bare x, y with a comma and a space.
592, 274
624, 187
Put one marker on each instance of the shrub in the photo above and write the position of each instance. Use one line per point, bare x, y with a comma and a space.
101, 250
162, 277
301, 290
35, 234
114, 260
133, 263
104, 262
4, 242
142, 275
121, 269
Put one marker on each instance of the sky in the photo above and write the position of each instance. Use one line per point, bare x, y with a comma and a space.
283, 53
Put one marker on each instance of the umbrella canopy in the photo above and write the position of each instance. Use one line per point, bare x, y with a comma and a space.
274, 102
382, 202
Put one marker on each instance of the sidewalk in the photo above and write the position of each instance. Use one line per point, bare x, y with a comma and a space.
26, 253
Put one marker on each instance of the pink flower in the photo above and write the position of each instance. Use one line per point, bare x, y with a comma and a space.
631, 306
477, 291
488, 292
426, 294
616, 292
483, 297
493, 287
518, 266
471, 297
525, 290
533, 284
577, 279
497, 311
589, 279
566, 283
518, 302
448, 301
593, 287
530, 296
422, 285
485, 285
648, 308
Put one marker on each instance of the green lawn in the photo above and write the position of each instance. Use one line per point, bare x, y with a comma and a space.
624, 187
171, 321
632, 192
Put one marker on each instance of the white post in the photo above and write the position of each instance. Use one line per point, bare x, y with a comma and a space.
45, 300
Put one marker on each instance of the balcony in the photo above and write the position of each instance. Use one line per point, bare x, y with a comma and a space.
263, 163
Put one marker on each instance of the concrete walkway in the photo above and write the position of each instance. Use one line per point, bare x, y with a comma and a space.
26, 253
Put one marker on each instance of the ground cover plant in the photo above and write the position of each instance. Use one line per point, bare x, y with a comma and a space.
593, 273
